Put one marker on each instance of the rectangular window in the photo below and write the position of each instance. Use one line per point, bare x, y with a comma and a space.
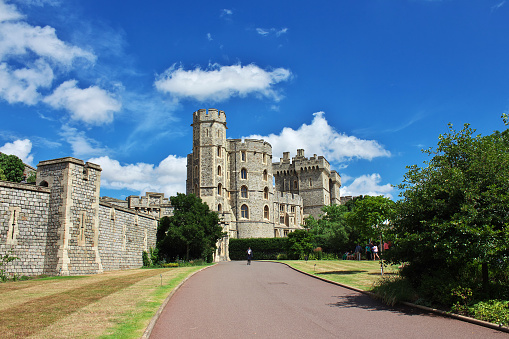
243, 155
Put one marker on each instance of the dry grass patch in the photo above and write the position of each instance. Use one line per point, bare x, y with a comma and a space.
84, 307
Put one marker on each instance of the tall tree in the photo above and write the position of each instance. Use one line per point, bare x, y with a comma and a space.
192, 230
454, 211
330, 231
370, 216
12, 167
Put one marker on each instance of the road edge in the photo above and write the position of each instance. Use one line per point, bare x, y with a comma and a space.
150, 327
424, 308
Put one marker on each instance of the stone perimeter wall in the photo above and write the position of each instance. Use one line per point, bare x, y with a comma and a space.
62, 229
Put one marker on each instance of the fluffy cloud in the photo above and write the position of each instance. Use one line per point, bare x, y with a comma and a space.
168, 177
81, 145
218, 83
92, 105
321, 138
20, 148
366, 185
21, 85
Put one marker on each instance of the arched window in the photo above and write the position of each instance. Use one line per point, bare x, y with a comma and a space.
43, 183
266, 193
265, 176
243, 192
295, 185
266, 212
219, 170
243, 173
219, 151
219, 208
244, 212
243, 155
310, 182
219, 189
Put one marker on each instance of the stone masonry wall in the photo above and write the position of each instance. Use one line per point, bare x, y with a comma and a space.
24, 226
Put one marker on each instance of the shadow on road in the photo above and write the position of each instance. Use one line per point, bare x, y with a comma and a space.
367, 303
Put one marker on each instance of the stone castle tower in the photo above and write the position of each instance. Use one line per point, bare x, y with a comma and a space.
235, 178
311, 178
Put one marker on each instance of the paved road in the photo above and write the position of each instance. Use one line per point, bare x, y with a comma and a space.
270, 300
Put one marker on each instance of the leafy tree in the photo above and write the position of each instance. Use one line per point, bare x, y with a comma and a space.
300, 243
370, 216
454, 212
12, 167
2, 175
193, 230
330, 231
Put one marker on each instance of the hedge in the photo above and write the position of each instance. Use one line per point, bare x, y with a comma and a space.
263, 248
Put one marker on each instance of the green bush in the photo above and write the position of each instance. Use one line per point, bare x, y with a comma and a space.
394, 289
493, 311
263, 248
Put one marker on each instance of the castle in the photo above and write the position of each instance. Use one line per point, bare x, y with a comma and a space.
60, 227
254, 197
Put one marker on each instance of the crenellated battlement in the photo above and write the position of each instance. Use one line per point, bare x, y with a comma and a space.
300, 163
212, 114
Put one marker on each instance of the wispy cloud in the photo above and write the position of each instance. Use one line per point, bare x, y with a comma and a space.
271, 31
218, 83
321, 138
81, 145
497, 6
209, 37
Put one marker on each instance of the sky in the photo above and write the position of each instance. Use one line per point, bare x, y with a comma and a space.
366, 83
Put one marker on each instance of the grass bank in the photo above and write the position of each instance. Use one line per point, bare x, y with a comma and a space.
111, 305
359, 274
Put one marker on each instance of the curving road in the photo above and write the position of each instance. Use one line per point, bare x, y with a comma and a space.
270, 300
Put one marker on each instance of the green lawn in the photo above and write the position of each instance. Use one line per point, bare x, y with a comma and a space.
359, 274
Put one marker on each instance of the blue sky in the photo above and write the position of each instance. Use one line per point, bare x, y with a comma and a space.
367, 84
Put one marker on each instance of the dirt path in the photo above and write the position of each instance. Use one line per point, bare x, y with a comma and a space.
270, 300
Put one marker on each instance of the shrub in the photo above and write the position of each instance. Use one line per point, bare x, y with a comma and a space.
494, 311
263, 248
394, 289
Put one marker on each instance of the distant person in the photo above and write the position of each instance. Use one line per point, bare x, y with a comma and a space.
249, 255
368, 251
358, 250
375, 252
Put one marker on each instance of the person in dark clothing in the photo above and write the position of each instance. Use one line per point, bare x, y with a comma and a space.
249, 255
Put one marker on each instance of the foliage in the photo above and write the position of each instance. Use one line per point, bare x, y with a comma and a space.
394, 289
263, 248
330, 231
4, 260
32, 177
493, 311
300, 243
371, 216
192, 231
12, 167
452, 224
2, 175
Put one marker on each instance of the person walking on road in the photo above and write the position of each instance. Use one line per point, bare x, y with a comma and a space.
249, 255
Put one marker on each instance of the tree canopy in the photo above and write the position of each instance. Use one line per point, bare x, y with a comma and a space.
192, 231
454, 211
11, 168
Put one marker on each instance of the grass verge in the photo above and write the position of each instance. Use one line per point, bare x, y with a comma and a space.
359, 274
115, 304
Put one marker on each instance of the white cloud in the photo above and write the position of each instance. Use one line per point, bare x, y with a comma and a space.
226, 12
22, 84
321, 138
275, 31
168, 177
30, 55
209, 37
9, 12
81, 145
21, 149
366, 185
218, 83
92, 105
